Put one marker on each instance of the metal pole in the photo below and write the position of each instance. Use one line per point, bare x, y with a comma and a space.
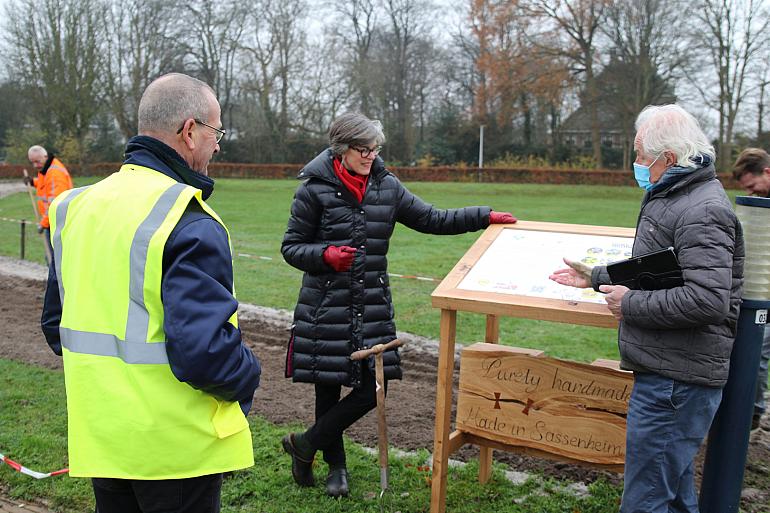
481, 150
728, 440
23, 224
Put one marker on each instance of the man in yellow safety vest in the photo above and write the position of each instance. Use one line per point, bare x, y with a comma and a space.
140, 303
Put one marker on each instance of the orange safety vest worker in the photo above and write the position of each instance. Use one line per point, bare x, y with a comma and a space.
52, 180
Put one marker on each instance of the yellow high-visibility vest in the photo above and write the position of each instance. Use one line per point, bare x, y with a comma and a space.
128, 416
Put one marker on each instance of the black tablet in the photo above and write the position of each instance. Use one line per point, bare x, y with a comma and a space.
651, 271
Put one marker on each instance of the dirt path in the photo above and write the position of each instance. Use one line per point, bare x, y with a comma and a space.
11, 187
410, 426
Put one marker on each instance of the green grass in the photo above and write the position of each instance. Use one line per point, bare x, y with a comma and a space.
256, 212
33, 432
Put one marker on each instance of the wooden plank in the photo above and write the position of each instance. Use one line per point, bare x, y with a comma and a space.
456, 440
609, 364
446, 362
494, 349
571, 409
528, 451
486, 369
493, 329
525, 307
485, 453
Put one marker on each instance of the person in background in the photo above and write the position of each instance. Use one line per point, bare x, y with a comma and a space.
677, 341
140, 303
52, 179
342, 218
752, 171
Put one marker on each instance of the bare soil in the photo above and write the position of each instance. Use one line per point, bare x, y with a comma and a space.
410, 424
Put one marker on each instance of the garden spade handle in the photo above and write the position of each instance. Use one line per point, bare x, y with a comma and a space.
382, 427
37, 218
31, 197
379, 348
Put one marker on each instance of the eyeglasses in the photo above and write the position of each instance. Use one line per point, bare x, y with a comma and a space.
365, 152
220, 133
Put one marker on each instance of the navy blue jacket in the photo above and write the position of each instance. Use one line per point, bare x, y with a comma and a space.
204, 350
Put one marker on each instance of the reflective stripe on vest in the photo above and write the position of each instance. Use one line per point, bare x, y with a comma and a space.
135, 348
102, 344
138, 316
129, 416
61, 216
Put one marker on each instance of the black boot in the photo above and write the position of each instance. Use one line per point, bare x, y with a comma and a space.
301, 459
337, 482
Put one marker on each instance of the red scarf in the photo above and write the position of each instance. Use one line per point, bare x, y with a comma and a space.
355, 183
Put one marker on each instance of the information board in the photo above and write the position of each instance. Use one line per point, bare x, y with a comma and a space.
520, 261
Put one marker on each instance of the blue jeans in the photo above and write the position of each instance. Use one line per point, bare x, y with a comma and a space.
667, 421
759, 405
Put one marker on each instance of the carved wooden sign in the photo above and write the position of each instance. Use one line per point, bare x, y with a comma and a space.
519, 397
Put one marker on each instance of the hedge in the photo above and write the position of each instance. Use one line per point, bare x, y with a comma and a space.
407, 174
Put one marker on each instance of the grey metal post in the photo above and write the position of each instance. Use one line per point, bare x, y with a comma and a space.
481, 151
728, 439
23, 238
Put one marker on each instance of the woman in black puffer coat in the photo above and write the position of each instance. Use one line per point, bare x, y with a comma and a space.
342, 218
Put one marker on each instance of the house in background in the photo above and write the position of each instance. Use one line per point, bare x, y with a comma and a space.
624, 90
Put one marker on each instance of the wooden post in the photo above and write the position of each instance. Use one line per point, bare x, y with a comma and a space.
446, 367
485, 453
382, 425
23, 238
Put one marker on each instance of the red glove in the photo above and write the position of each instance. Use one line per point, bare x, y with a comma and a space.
501, 218
340, 258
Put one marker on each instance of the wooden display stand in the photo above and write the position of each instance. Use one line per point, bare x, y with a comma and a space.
450, 298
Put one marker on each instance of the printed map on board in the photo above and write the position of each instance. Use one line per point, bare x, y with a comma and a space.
520, 261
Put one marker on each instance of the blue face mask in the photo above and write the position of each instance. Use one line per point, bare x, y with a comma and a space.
642, 174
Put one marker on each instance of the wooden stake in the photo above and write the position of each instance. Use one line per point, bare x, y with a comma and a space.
446, 367
48, 255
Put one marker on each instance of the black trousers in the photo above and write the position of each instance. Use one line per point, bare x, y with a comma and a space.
47, 237
192, 495
333, 416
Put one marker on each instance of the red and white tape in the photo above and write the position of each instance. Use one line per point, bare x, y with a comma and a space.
394, 275
32, 473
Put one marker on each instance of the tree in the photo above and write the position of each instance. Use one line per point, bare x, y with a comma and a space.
356, 32
143, 45
572, 35
733, 35
274, 56
403, 46
56, 52
519, 83
646, 55
215, 42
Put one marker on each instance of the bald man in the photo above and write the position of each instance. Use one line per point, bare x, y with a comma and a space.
158, 379
52, 179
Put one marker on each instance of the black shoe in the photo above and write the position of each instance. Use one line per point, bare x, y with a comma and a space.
301, 463
755, 421
337, 482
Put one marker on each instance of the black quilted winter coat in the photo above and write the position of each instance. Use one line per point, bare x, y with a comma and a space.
338, 313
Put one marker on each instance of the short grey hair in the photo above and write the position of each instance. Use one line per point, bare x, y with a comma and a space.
37, 150
354, 129
671, 128
171, 99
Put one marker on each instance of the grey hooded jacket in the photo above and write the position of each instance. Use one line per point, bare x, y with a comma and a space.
685, 333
